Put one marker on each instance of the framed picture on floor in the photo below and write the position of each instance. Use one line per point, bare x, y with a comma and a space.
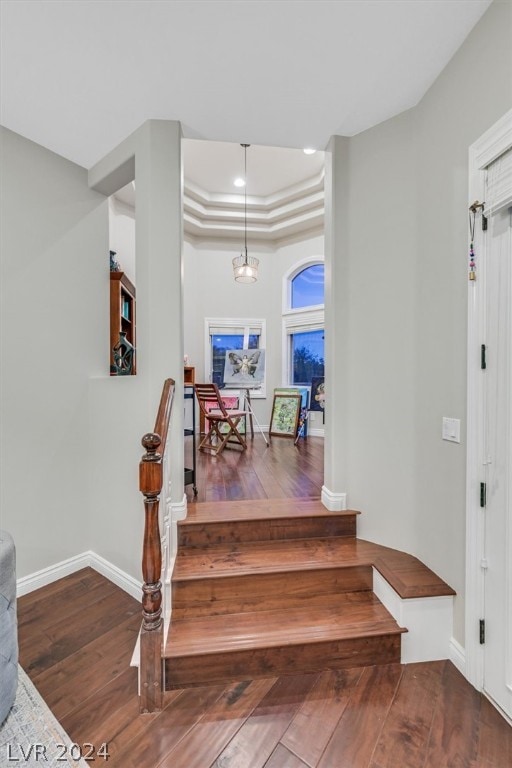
317, 393
285, 415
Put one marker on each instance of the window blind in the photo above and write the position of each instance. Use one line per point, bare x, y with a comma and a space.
233, 330
499, 183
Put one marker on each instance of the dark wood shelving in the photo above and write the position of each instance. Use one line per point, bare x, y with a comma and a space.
122, 293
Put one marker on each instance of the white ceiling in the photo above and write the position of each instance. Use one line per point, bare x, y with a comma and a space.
79, 76
214, 166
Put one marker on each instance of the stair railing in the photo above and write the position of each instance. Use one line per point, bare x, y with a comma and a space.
151, 669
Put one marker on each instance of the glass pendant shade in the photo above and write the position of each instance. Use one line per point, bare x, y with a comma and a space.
245, 268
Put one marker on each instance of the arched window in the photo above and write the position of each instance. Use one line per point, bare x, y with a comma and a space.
307, 287
303, 323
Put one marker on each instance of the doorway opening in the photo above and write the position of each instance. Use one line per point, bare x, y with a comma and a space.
285, 232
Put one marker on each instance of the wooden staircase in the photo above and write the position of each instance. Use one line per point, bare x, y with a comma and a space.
265, 588
270, 587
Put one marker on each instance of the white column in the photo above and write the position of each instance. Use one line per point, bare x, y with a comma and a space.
334, 491
159, 240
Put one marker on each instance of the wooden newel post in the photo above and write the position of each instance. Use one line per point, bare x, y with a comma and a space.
151, 666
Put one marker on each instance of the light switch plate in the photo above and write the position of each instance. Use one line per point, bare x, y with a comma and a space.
451, 429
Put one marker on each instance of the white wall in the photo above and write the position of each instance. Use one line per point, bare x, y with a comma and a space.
211, 291
70, 432
122, 235
406, 263
54, 305
122, 409
472, 93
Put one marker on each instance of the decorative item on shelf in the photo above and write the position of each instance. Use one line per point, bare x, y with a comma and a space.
125, 308
123, 356
114, 264
245, 268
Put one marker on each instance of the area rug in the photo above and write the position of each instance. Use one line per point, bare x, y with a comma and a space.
32, 736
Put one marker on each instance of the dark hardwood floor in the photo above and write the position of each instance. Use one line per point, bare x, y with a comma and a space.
281, 470
76, 641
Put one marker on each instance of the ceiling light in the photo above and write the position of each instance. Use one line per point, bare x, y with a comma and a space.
309, 151
239, 182
245, 268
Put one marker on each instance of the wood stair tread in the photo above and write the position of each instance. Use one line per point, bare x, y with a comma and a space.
230, 511
267, 557
406, 574
344, 618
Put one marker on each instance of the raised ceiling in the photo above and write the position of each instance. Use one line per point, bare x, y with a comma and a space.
78, 77
285, 192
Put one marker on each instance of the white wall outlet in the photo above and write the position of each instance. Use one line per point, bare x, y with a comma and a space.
451, 429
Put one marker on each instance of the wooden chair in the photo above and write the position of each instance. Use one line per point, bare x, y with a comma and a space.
216, 440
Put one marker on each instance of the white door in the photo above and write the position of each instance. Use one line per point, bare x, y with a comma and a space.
497, 454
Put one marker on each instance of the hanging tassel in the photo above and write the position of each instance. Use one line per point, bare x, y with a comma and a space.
472, 265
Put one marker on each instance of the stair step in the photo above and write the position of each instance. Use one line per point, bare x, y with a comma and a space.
258, 557
406, 574
265, 591
352, 629
255, 575
263, 520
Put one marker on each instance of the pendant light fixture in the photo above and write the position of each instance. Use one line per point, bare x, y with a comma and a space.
245, 267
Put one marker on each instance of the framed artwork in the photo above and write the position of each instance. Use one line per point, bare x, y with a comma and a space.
229, 402
302, 391
244, 367
302, 428
285, 415
317, 393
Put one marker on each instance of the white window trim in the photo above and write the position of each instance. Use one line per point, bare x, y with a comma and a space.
299, 266
298, 320
230, 323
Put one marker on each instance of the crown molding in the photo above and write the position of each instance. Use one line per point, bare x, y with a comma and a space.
236, 199
285, 215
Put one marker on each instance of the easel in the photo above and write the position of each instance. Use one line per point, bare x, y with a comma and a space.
247, 406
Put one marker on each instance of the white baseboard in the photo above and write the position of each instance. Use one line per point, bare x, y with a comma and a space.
334, 502
179, 508
116, 575
89, 559
458, 656
315, 432
45, 576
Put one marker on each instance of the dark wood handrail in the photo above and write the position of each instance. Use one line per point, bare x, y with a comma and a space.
163, 416
150, 483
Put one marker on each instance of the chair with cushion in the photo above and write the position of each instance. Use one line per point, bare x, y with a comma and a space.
223, 422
